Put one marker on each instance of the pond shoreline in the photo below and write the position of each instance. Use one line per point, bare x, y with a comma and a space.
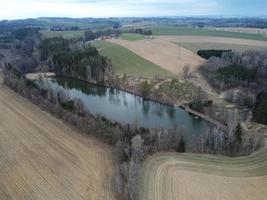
187, 109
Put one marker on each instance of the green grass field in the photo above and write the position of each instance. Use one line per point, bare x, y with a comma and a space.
64, 34
131, 36
204, 32
200, 46
126, 62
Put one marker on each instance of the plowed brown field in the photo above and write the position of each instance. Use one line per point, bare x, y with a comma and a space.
41, 158
173, 176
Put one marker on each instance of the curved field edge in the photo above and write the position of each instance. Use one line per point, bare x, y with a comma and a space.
42, 158
161, 175
127, 62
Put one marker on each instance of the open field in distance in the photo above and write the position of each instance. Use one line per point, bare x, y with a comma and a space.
41, 158
127, 62
131, 36
64, 34
214, 40
168, 30
235, 47
173, 176
162, 53
242, 30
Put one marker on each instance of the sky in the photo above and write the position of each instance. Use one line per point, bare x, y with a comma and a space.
21, 9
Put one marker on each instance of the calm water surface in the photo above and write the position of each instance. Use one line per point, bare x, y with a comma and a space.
124, 107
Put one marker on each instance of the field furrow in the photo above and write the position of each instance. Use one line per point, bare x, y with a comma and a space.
173, 176
42, 158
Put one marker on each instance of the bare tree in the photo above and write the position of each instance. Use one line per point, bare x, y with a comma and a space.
186, 71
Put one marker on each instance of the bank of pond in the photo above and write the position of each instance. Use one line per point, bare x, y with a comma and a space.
124, 107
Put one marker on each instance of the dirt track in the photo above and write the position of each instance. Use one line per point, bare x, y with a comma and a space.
173, 176
41, 158
163, 53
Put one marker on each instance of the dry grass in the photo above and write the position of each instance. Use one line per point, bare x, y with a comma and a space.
163, 53
41, 158
191, 176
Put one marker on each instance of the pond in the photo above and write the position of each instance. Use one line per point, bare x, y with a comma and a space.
126, 108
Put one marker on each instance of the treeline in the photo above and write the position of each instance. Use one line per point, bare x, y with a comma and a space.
132, 144
92, 35
247, 69
206, 54
85, 64
260, 108
140, 31
22, 33
50, 46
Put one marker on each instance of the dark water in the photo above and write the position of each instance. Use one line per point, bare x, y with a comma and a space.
124, 107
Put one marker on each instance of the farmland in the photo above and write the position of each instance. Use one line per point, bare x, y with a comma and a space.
191, 176
163, 53
131, 36
42, 158
126, 62
242, 30
168, 30
195, 47
214, 40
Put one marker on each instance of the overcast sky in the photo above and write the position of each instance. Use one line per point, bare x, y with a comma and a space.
16, 9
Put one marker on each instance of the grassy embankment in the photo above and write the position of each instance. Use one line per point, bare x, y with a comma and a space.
126, 62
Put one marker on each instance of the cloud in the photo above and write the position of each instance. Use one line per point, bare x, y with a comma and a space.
12, 9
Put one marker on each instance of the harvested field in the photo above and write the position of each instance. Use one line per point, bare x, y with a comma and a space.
214, 40
171, 30
190, 176
131, 36
163, 53
41, 158
195, 47
242, 30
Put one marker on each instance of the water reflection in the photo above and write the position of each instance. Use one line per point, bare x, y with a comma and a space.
126, 108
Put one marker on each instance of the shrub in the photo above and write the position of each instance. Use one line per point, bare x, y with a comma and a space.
145, 89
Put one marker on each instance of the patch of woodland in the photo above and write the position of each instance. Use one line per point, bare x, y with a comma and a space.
238, 77
84, 63
207, 54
